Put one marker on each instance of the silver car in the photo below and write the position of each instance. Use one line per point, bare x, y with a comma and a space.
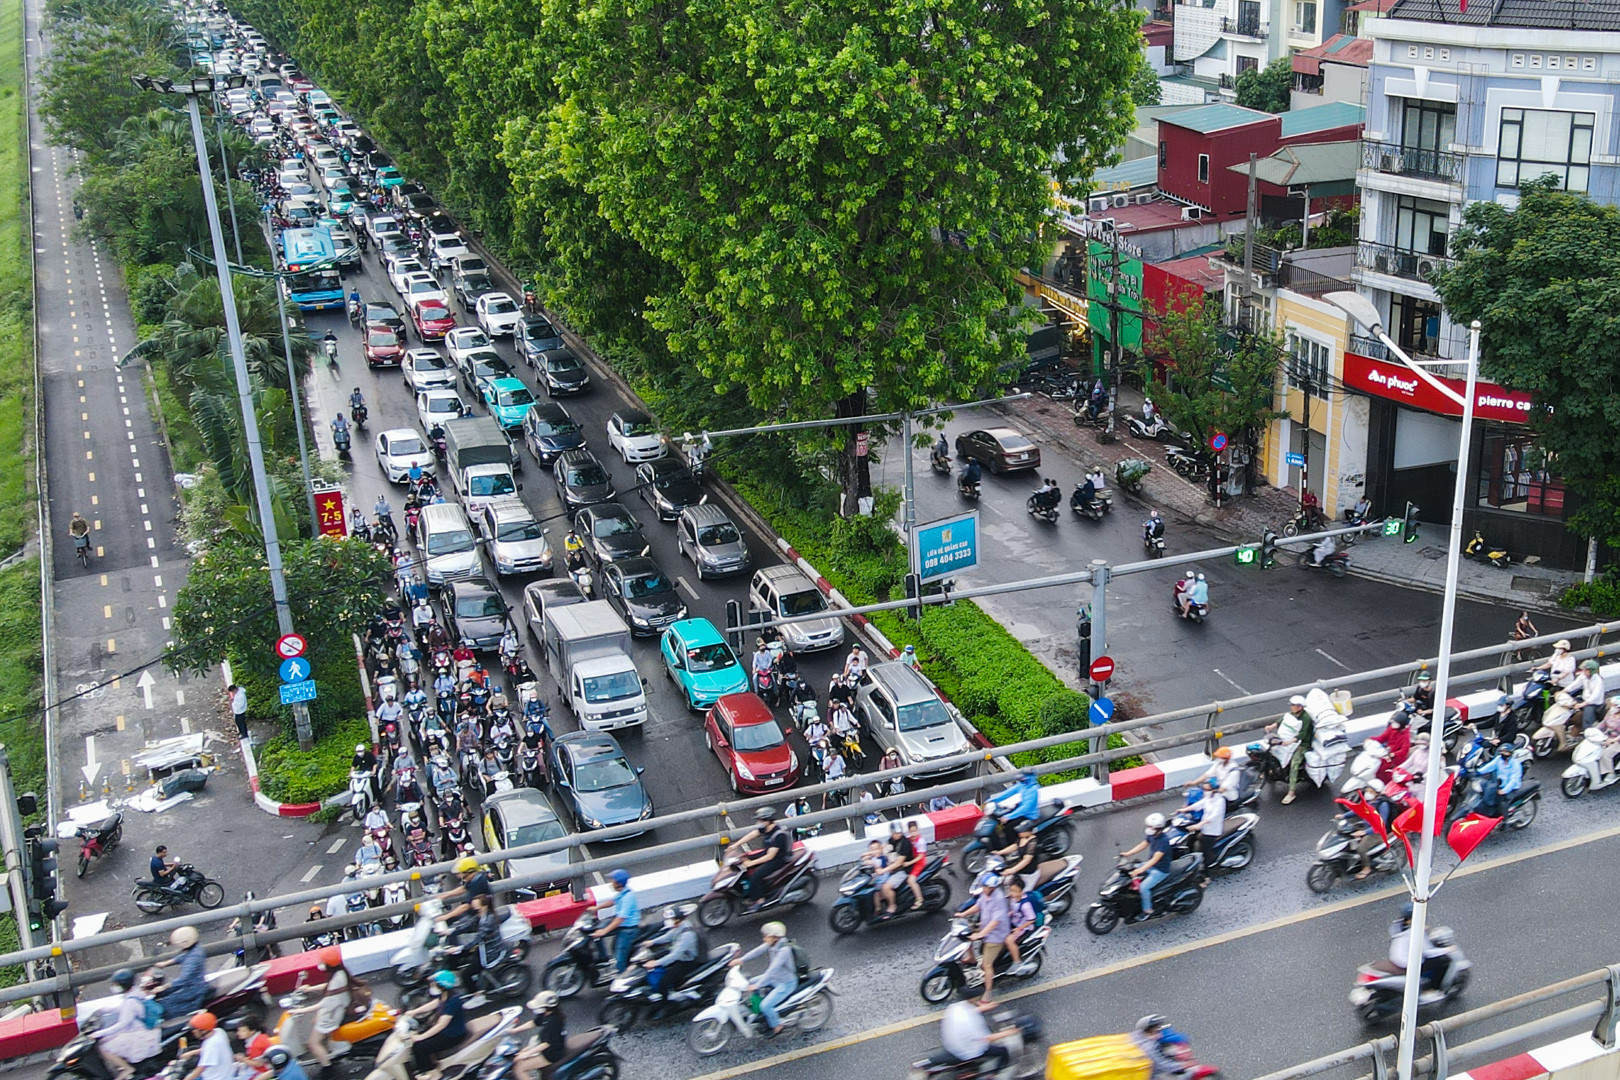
784, 592
707, 535
904, 714
514, 539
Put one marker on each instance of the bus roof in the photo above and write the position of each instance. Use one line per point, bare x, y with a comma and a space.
301, 248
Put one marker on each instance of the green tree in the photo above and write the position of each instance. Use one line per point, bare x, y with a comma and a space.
1267, 88
1544, 282
843, 194
1218, 380
85, 91
1145, 88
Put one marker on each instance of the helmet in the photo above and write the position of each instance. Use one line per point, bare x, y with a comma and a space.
1025, 775
330, 957
765, 813
1192, 575
1151, 1022
1506, 749
1200, 577
1562, 644
466, 864
1403, 717
545, 999
1222, 753
620, 877
184, 937
1504, 702
1424, 676
123, 978
446, 979
1442, 937
1024, 825
277, 1057
773, 929
1296, 700
1153, 514
1589, 665
909, 649
1154, 822
989, 881
316, 911
205, 1021
359, 747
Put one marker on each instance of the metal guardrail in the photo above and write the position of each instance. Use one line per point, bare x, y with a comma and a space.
1419, 162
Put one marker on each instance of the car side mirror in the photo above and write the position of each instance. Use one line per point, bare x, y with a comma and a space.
640, 768
520, 487
643, 680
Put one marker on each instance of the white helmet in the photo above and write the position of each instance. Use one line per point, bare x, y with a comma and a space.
1200, 577
1154, 822
1191, 575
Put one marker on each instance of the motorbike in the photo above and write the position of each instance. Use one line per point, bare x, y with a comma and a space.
82, 1057
1520, 806
858, 890
734, 1012
1192, 465
484, 1034
1093, 510
584, 961
630, 1000
1153, 541
1120, 898
359, 794
1044, 505
1336, 855
1556, 732
331, 352
1054, 832
1154, 427
412, 963
1232, 851
1195, 612
967, 489
956, 966
1478, 550
532, 767
586, 1056
357, 416
1337, 564
940, 462
1054, 882
1024, 1057
1585, 767
1528, 707
341, 442
187, 886
364, 1027
99, 839
790, 886
1380, 987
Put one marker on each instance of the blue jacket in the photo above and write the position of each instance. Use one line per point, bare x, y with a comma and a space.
1027, 794
1508, 772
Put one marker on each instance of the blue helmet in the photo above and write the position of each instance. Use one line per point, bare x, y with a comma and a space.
445, 979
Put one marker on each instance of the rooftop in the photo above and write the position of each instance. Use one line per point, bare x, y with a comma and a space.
1528, 14
1142, 172
1158, 33
1339, 49
1211, 118
1378, 7
1154, 216
1194, 267
1335, 114
1308, 163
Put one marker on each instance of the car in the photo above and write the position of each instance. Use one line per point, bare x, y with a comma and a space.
469, 285
518, 818
1000, 449
401, 196
514, 539
508, 401
423, 286
669, 487
381, 225
536, 336
538, 596
434, 407
400, 267
581, 480
549, 431
381, 313
425, 368
432, 320
561, 372
784, 592
634, 435
707, 535
609, 532
476, 612
419, 203
642, 594
388, 177
498, 314
330, 174
447, 550
750, 744
400, 448
444, 247
463, 340
698, 660
484, 366
339, 200
597, 784
383, 347
905, 714
471, 264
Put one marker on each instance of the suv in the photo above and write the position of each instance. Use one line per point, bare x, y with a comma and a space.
904, 714
781, 591
445, 541
514, 539
707, 535
469, 285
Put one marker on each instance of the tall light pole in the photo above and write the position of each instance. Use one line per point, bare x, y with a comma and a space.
1362, 311
244, 389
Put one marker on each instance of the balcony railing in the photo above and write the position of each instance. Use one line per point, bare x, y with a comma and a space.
1245, 27
1398, 262
1369, 347
1228, 81
1309, 282
1374, 349
1412, 161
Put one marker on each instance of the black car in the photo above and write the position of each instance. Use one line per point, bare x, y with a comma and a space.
581, 480
439, 223
610, 532
549, 431
418, 203
536, 337
669, 487
596, 784
562, 373
469, 285
382, 313
483, 365
476, 611
642, 593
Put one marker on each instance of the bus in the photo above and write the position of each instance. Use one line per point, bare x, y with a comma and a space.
311, 289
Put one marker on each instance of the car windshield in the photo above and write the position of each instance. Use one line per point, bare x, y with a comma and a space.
586, 475
715, 535
519, 530
477, 605
803, 603
604, 774
424, 287
712, 657
380, 312
536, 331
1015, 442
476, 281
406, 444
534, 833
562, 362
612, 525
673, 478
485, 367
470, 263
471, 340
449, 542
615, 687
518, 396
640, 427
429, 361
382, 339
639, 588
555, 427
924, 714
490, 484
501, 307
757, 736
433, 313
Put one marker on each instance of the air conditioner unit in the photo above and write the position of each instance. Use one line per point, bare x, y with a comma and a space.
1381, 262
1390, 163
1097, 206
1191, 213
1425, 267
1143, 200
1121, 200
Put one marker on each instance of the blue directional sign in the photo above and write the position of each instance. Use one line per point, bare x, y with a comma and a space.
1102, 710
294, 692
947, 546
1296, 460
294, 670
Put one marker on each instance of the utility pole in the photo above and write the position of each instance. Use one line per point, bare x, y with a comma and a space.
294, 384
1113, 334
1248, 229
11, 844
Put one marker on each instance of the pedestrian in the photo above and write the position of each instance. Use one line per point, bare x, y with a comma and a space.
238, 699
1296, 728
626, 920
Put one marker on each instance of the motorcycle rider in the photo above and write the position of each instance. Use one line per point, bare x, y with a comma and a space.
964, 1035
1148, 411
774, 852
1323, 549
1020, 801
1508, 776
330, 1007
474, 882
330, 344
283, 1066
1397, 739
1196, 592
215, 1060
683, 955
625, 921
1153, 527
760, 662
161, 868
356, 309
1211, 811
340, 430
1048, 495
189, 989
384, 513
1181, 588
941, 454
366, 762
489, 770
1085, 495
1587, 690
1560, 665
971, 475
781, 976
1296, 727
1148, 1037
549, 1041
1155, 868
1400, 943
127, 1039
447, 1029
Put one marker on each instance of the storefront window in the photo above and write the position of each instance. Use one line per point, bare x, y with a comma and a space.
1512, 476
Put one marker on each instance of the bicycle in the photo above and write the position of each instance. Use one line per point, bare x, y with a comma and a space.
81, 545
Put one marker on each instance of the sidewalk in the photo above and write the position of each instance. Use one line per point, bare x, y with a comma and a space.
1419, 565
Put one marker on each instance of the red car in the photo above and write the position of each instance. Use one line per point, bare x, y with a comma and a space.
433, 320
383, 347
750, 744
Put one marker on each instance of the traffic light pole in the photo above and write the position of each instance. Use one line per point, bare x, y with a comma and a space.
11, 843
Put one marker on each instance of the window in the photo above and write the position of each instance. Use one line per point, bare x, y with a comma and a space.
1428, 125
1308, 365
1305, 16
1417, 324
1513, 476
1248, 63
1535, 142
1164, 153
1421, 225
1203, 168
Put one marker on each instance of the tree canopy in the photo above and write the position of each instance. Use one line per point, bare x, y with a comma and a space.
1269, 88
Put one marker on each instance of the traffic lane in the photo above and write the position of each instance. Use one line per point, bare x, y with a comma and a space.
1243, 996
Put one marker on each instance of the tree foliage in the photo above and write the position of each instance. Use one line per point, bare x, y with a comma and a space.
1544, 282
1269, 88
1145, 88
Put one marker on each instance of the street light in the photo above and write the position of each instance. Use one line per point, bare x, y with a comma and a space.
1363, 312
204, 87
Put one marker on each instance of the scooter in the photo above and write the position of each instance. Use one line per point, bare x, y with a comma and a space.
586, 1056
735, 1012
967, 489
955, 971
1195, 611
1154, 428
1555, 733
1336, 855
411, 964
858, 893
1380, 987
1232, 851
1054, 833
362, 1030
1192, 465
1153, 541
97, 840
1584, 773
631, 1000
583, 960
1024, 1057
1529, 707
940, 462
1120, 898
359, 794
1044, 507
792, 885
1478, 550
1093, 510
484, 1034
341, 441
1054, 882
1337, 564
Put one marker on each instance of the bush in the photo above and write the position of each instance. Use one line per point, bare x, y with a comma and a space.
289, 775
1065, 711
1602, 596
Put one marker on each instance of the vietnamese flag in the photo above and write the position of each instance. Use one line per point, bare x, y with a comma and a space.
1467, 834
1366, 813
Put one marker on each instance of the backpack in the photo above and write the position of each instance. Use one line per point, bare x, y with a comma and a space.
151, 1013
801, 961
1038, 903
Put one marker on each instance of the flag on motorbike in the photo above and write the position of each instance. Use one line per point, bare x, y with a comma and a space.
1467, 834
1368, 814
1410, 821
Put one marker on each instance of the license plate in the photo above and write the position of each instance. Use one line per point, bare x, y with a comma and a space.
772, 781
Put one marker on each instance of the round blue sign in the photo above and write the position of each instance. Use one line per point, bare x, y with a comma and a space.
1102, 710
1217, 441
294, 670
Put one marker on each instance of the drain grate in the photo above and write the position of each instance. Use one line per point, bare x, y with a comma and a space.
1545, 586
1432, 553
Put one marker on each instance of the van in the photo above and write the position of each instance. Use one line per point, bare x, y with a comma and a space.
446, 544
904, 713
783, 591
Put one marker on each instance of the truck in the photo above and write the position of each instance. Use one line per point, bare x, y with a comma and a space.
588, 653
478, 456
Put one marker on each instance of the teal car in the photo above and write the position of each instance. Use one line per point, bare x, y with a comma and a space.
339, 199
701, 663
388, 177
509, 401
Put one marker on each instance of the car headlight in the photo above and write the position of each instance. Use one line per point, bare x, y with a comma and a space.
592, 823
505, 564
646, 812
793, 761
636, 620
742, 769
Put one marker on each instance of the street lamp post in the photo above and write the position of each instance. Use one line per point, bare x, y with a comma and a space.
1363, 312
244, 389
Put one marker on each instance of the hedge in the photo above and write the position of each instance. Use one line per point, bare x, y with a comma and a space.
289, 775
1601, 596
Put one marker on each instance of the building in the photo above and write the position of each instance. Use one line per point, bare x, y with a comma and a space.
1464, 106
1335, 70
1221, 39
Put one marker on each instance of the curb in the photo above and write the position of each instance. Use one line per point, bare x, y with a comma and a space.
261, 800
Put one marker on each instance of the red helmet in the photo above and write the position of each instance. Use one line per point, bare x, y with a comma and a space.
330, 957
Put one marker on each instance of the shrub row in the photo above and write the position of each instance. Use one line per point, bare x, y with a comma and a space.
289, 775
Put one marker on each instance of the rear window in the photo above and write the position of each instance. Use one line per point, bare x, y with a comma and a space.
1015, 442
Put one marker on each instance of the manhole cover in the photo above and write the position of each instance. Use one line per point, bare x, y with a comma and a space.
1545, 586
1432, 553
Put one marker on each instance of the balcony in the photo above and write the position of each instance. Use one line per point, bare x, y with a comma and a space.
1307, 84
1398, 262
1412, 161
1242, 27
1228, 81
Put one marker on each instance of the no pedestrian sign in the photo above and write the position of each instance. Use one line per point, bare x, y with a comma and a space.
290, 645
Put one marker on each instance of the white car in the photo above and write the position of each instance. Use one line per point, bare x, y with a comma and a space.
381, 226
421, 285
434, 407
447, 247
263, 131
464, 340
499, 314
400, 448
425, 369
400, 267
635, 436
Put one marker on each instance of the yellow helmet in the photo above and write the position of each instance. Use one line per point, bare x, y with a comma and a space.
466, 865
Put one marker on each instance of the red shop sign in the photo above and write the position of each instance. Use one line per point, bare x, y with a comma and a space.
330, 520
1385, 379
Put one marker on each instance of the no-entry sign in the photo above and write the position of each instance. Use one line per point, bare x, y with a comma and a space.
1102, 669
289, 646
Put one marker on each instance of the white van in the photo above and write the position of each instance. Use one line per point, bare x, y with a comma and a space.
446, 544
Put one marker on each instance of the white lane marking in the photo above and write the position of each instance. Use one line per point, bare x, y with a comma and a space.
309, 875
337, 846
1223, 675
1332, 660
689, 590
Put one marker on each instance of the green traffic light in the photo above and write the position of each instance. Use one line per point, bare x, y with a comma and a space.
1246, 556
1391, 527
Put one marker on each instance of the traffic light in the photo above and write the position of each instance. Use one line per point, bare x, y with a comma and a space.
1268, 550
913, 592
1409, 525
1082, 626
44, 904
1247, 555
1392, 527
